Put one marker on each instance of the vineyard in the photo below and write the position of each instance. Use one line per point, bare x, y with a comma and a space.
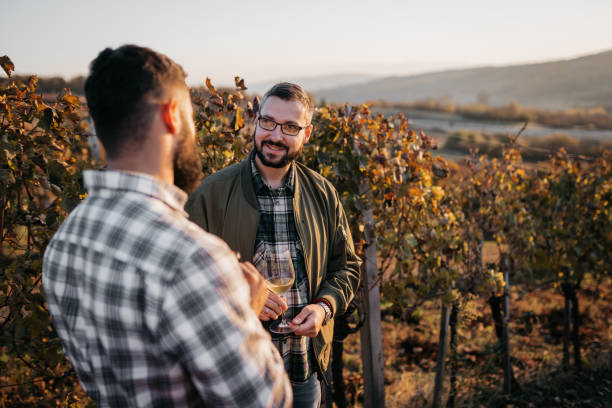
468, 258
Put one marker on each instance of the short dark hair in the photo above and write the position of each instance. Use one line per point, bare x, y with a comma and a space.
123, 89
290, 92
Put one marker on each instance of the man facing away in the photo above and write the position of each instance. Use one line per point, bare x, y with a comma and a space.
269, 202
151, 310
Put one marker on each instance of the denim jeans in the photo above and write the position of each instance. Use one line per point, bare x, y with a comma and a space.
307, 394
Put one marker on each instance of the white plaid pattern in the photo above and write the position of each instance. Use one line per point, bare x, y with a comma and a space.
151, 310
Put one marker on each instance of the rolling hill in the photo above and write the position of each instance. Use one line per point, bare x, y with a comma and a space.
580, 82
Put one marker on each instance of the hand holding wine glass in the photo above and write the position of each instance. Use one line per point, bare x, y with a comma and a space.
257, 286
277, 269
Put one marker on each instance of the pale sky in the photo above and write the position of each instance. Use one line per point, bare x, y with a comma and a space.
264, 40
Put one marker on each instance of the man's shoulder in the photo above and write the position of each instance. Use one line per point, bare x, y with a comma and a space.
315, 180
201, 239
225, 173
151, 232
189, 238
219, 178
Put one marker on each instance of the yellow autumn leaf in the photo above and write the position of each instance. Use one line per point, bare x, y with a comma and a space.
414, 192
437, 192
239, 119
71, 99
450, 217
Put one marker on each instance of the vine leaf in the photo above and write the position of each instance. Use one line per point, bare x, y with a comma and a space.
240, 84
7, 65
238, 119
210, 86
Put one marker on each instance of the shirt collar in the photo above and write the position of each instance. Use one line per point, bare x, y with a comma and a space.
141, 183
258, 182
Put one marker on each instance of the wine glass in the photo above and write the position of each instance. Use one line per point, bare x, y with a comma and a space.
276, 267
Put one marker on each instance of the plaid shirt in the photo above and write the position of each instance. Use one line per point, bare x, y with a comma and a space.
151, 310
277, 231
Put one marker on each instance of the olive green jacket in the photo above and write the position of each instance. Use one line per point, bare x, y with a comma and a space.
225, 205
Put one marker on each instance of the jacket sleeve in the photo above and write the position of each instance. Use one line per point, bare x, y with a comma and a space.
342, 278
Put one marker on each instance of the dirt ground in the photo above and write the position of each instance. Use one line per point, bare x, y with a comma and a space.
536, 342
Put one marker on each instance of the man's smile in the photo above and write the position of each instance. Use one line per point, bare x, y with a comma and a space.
275, 147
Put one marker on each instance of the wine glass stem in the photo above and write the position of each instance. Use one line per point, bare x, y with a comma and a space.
284, 322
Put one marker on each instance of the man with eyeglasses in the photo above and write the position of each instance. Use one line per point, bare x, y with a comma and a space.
270, 202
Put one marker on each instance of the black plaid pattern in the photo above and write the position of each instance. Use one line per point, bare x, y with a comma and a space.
277, 231
151, 310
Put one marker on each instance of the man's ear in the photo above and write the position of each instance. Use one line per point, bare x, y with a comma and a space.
171, 116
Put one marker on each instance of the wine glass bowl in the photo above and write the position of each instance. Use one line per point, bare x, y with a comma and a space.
276, 268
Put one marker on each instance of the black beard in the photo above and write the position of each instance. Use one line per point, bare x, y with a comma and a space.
284, 161
187, 166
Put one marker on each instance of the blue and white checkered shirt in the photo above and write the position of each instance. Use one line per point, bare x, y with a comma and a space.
151, 310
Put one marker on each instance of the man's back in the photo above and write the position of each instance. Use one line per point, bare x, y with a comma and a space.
151, 310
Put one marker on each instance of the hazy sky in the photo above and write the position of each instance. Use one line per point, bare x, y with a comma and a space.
262, 40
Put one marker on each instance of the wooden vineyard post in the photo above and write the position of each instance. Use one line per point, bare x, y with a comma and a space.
508, 377
370, 333
567, 321
575, 330
450, 403
441, 358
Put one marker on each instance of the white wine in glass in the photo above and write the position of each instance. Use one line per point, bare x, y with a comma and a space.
279, 285
279, 274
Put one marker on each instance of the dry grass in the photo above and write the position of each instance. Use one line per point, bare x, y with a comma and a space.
409, 353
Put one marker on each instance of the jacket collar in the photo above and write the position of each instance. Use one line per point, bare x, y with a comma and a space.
259, 183
246, 180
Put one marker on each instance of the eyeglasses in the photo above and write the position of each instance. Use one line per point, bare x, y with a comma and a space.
288, 129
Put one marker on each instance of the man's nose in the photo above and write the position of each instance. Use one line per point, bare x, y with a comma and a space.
276, 134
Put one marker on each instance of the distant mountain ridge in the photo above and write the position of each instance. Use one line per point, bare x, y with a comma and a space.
582, 82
